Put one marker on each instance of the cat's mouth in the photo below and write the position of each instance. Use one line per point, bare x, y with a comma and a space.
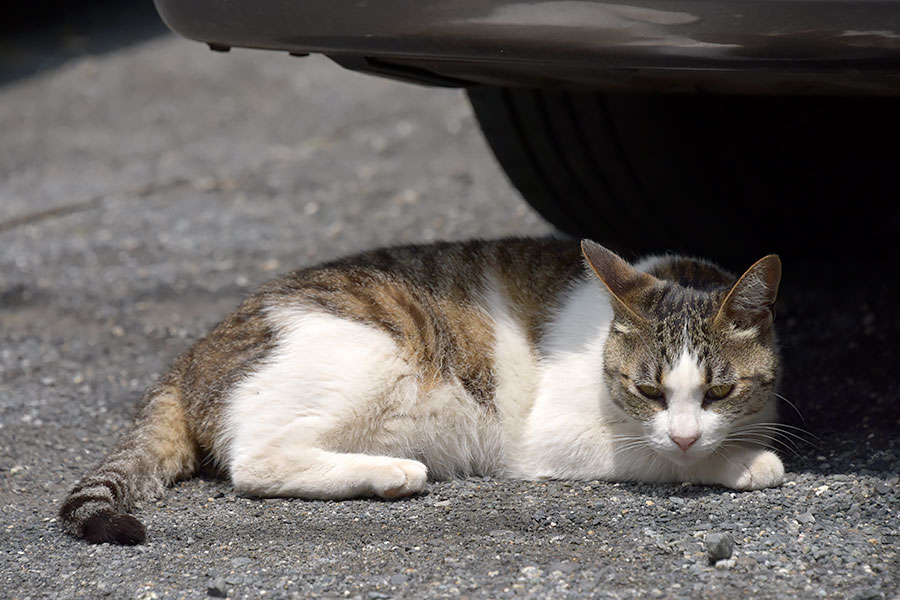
685, 458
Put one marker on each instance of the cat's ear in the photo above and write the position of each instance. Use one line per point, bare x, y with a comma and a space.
750, 304
624, 282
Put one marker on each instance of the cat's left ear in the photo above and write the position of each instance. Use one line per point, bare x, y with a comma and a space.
750, 304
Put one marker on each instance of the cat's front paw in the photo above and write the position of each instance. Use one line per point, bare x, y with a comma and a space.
400, 478
752, 470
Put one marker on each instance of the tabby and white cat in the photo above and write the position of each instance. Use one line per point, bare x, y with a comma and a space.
515, 358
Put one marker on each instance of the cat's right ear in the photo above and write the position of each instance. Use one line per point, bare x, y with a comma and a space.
750, 304
624, 282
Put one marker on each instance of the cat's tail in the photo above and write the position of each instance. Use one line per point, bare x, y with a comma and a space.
158, 449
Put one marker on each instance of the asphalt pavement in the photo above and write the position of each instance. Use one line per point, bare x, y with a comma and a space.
147, 184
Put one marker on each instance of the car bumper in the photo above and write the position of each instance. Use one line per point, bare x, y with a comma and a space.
753, 46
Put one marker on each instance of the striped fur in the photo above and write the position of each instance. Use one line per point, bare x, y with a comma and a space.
158, 449
509, 358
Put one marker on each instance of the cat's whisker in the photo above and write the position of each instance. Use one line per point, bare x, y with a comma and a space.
775, 436
796, 433
655, 460
779, 437
724, 456
792, 405
772, 434
634, 445
629, 443
781, 426
759, 442
765, 439
720, 450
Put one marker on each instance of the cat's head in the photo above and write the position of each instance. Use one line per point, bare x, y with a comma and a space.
691, 353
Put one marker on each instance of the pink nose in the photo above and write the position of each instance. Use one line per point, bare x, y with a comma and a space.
684, 442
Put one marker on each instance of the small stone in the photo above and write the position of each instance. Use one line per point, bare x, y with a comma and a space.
867, 594
531, 572
882, 488
240, 561
719, 546
562, 567
217, 588
806, 517
398, 579
725, 564
676, 500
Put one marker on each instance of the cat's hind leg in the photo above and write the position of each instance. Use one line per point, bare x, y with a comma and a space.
319, 474
327, 375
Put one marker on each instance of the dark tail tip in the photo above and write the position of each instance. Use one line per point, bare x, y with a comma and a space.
114, 528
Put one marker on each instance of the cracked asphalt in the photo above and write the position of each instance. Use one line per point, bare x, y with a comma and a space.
147, 184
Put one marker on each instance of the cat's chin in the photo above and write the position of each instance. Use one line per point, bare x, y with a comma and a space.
684, 460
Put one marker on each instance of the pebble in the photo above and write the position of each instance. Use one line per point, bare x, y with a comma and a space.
563, 567
867, 594
882, 488
217, 588
806, 517
719, 546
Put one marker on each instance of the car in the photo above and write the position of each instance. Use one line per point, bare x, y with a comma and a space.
693, 125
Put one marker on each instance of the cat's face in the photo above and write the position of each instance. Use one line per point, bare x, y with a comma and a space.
688, 382
690, 357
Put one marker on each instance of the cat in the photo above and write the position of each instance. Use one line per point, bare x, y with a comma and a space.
519, 358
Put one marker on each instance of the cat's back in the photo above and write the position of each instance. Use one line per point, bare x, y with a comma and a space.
452, 269
401, 288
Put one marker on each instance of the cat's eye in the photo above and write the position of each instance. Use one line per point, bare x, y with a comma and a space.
718, 392
650, 391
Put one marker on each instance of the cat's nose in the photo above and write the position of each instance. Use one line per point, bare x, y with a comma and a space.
684, 442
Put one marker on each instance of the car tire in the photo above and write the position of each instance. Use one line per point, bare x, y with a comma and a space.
721, 175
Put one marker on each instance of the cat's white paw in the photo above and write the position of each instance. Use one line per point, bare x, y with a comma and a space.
752, 470
398, 478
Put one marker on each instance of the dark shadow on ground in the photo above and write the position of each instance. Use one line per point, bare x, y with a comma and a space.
840, 333
46, 33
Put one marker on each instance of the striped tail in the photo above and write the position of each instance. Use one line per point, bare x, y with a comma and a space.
157, 450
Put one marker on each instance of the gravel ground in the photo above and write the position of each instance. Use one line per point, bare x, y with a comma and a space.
147, 186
